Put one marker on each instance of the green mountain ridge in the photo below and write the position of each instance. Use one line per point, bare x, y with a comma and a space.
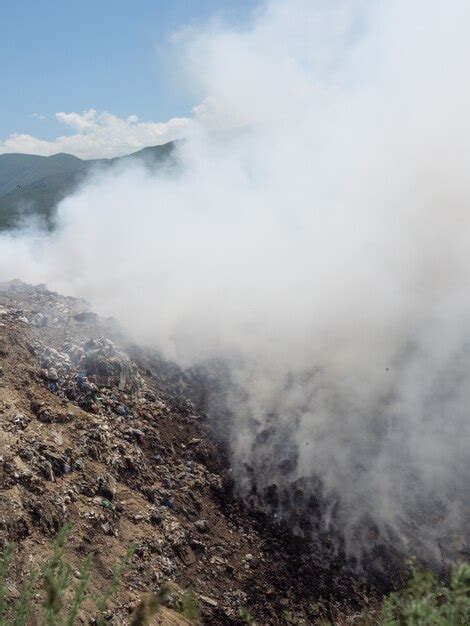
23, 169
32, 185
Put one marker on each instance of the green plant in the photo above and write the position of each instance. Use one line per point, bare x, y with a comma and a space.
56, 578
5, 560
427, 602
116, 575
61, 599
147, 607
80, 590
291, 618
189, 605
245, 616
23, 606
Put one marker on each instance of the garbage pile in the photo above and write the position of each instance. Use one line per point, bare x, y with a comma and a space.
89, 434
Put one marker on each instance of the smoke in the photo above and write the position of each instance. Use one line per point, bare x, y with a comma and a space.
319, 254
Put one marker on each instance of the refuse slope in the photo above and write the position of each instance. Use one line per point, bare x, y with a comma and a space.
94, 436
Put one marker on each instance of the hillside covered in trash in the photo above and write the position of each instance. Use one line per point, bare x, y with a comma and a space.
100, 433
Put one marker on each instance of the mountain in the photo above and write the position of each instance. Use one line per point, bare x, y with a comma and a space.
24, 169
33, 185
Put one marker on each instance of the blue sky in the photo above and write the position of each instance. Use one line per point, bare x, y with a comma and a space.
109, 55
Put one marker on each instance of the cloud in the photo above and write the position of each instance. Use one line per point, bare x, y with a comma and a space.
99, 135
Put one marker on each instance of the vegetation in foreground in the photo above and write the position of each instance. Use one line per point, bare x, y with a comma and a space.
61, 597
424, 602
427, 602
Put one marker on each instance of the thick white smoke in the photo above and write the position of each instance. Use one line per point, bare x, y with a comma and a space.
321, 251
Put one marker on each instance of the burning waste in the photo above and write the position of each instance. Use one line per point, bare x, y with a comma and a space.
97, 432
312, 265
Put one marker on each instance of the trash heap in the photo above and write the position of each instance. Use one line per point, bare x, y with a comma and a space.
89, 434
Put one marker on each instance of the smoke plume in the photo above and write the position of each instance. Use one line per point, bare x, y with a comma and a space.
319, 253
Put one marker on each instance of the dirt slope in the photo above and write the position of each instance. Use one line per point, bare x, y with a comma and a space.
90, 435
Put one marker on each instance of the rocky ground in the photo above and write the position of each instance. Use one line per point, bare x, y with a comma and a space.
92, 431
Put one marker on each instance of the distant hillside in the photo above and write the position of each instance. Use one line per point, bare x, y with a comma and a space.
33, 185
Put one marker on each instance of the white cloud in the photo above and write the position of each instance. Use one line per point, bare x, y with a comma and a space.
99, 135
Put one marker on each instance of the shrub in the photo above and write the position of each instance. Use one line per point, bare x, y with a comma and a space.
427, 602
61, 599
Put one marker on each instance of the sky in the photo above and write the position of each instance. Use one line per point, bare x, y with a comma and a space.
111, 56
